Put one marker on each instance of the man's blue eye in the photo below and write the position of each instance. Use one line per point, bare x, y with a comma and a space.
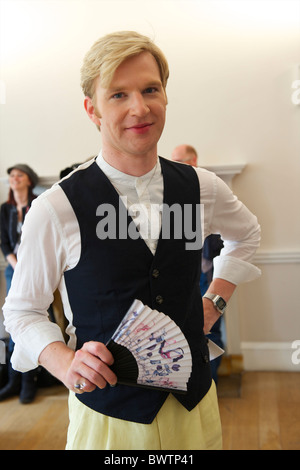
118, 95
150, 90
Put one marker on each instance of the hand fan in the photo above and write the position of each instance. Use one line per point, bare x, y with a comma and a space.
150, 350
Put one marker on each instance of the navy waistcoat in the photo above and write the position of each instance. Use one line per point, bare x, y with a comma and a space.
112, 272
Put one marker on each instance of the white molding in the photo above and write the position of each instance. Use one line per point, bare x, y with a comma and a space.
277, 257
275, 356
262, 257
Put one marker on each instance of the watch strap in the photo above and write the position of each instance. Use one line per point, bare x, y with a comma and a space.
217, 300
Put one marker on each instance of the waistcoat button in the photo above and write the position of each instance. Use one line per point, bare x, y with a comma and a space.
155, 273
159, 299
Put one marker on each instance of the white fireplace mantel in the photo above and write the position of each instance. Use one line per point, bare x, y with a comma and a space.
226, 172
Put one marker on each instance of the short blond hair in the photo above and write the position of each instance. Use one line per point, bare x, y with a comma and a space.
110, 51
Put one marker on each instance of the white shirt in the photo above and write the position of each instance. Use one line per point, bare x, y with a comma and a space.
51, 245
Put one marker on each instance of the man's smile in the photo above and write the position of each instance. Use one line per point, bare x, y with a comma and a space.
140, 128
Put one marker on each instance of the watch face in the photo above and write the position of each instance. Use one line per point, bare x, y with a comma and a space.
221, 303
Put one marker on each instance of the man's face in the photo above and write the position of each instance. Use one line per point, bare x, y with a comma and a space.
180, 154
131, 111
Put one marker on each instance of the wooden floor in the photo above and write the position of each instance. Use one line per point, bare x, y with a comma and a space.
265, 415
41, 425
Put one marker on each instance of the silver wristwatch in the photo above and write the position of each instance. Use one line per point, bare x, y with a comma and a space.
218, 301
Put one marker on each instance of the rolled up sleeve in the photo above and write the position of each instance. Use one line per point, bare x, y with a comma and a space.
226, 215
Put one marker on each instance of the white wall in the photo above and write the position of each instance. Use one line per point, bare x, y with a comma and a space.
232, 62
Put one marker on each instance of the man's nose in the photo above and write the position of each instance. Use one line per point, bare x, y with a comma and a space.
138, 105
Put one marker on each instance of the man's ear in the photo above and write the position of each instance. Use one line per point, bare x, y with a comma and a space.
91, 112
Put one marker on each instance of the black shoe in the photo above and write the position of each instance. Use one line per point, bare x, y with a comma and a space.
3, 375
13, 386
28, 387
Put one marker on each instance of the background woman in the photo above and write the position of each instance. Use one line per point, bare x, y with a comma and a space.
22, 180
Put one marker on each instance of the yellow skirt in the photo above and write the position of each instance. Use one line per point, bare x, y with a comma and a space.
174, 428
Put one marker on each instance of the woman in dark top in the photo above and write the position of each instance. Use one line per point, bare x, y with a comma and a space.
22, 180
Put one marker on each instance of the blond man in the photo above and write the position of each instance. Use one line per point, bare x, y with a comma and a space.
124, 78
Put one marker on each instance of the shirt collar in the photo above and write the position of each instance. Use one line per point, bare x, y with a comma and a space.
119, 178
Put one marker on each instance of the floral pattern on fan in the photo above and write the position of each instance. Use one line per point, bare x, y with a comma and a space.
150, 350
